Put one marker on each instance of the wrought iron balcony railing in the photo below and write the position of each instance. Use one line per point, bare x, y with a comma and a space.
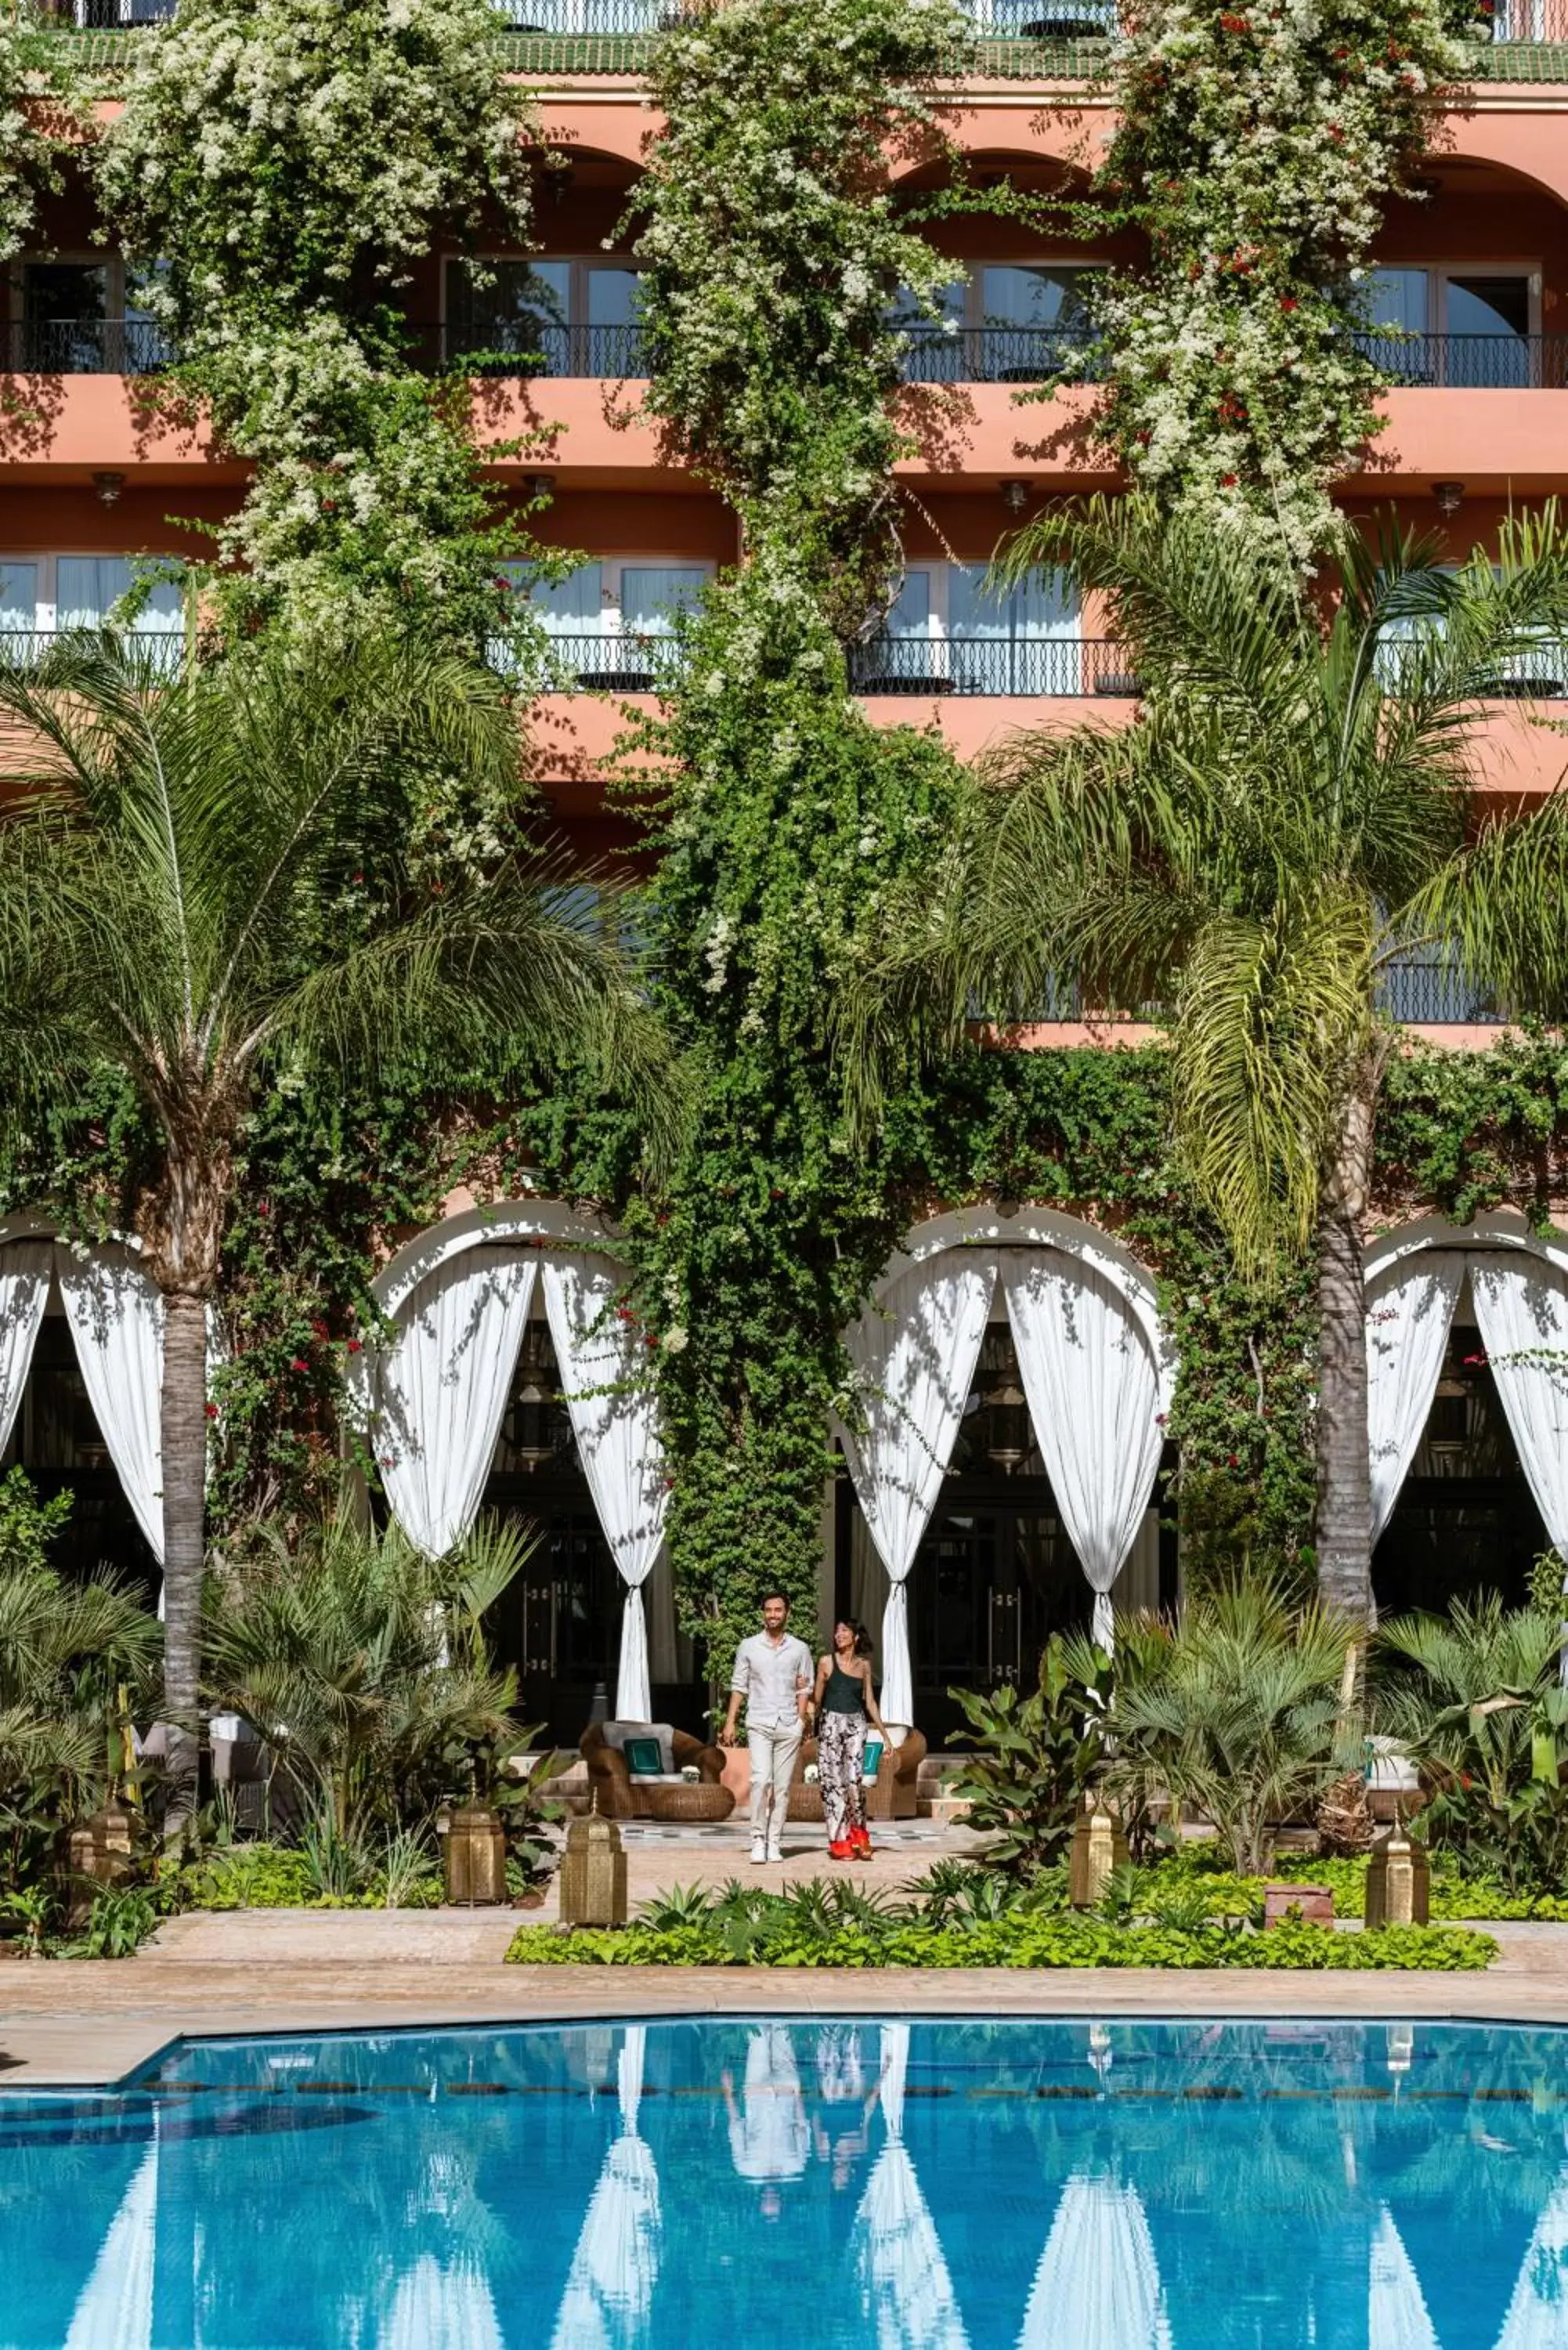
1059, 667
1470, 362
165, 649
522, 347
938, 354
84, 346
1425, 990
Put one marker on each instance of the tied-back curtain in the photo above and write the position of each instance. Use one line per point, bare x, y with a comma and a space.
116, 1318
1093, 1387
25, 1270
914, 1360
1522, 1307
615, 1420
1409, 1307
443, 1390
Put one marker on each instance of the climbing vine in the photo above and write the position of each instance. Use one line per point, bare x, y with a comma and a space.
1257, 146
39, 113
281, 168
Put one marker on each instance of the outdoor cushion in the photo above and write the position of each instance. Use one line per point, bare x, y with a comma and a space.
618, 1733
644, 1758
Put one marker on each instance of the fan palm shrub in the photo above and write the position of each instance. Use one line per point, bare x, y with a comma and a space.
168, 848
365, 1667
1474, 1698
1241, 1717
1297, 806
73, 1657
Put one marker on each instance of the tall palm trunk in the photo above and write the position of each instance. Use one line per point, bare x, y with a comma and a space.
183, 1233
1343, 1463
183, 1427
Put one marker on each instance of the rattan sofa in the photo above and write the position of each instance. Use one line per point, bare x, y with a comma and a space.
619, 1796
891, 1798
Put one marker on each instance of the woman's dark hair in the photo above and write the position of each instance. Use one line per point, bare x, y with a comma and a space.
862, 1636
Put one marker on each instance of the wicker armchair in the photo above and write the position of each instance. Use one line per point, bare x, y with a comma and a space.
618, 1797
891, 1798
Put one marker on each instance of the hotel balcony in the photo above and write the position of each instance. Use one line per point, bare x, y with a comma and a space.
1022, 39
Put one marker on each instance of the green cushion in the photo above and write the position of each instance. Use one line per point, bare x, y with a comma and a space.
643, 1758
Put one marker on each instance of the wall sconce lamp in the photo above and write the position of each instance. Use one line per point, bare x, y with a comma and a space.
109, 487
541, 486
1015, 497
1447, 494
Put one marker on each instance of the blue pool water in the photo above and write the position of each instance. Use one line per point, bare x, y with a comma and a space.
948, 2185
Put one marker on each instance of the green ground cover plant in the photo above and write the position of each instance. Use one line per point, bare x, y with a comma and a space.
822, 1924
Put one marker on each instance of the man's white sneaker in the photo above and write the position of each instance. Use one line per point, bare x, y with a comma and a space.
774, 1853
759, 1851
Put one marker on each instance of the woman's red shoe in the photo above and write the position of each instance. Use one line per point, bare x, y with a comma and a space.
844, 1851
860, 1839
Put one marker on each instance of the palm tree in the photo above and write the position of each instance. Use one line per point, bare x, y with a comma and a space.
163, 869
367, 1662
1297, 805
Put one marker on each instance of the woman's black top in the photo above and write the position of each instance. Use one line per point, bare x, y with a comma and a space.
845, 1693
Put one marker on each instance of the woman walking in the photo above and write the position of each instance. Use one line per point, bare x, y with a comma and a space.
845, 1703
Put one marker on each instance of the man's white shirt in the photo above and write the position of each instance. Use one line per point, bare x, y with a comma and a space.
772, 1680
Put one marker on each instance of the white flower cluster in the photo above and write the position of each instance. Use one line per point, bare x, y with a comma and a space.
1258, 145
287, 163
40, 107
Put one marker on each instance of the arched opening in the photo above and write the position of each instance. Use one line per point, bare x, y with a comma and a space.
80, 1369
1015, 1380
513, 1386
1467, 1362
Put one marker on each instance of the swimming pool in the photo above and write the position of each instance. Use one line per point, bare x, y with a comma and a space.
749, 2186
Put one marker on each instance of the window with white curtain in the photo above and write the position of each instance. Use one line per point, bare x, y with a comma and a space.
604, 617
1538, 667
44, 593
949, 627
1006, 322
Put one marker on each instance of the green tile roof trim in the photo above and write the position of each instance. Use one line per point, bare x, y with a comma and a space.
1529, 63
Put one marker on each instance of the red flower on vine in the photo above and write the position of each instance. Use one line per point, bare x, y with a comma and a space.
1228, 23
356, 1347
320, 1328
299, 1364
1289, 302
212, 1411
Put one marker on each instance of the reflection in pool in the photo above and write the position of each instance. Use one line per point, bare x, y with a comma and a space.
951, 2186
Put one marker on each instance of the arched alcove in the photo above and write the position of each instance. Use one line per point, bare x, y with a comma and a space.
1015, 1380
1467, 1336
513, 1384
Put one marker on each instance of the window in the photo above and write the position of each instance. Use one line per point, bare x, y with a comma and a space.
1008, 322
605, 619
1539, 669
948, 631
545, 317
1465, 327
41, 594
81, 318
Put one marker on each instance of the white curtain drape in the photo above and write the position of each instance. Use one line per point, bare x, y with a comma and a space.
443, 1387
1522, 1307
114, 2310
116, 1318
914, 1360
608, 2301
1409, 1307
1093, 1385
1097, 2285
907, 2296
25, 1270
1396, 2313
614, 1419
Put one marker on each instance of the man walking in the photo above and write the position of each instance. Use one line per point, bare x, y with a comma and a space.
772, 1673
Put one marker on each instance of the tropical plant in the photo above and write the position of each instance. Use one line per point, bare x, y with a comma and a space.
73, 1657
1242, 1718
1036, 1754
1298, 805
363, 1665
1482, 1712
163, 875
